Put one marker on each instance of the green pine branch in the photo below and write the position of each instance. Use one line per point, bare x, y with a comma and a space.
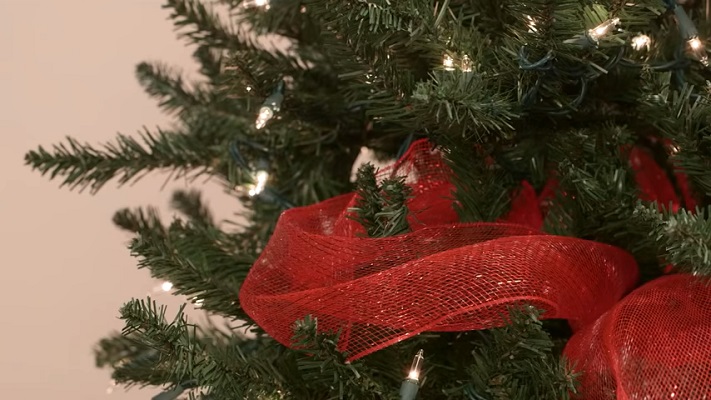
133, 363
138, 220
482, 188
517, 362
190, 204
200, 262
594, 173
161, 82
220, 364
381, 207
466, 104
682, 239
327, 375
211, 62
202, 25
82, 165
684, 116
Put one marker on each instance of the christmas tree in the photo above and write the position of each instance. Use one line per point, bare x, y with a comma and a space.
543, 233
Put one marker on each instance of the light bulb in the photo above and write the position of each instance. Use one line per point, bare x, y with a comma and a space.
265, 114
416, 368
466, 64
271, 105
531, 24
261, 178
166, 286
695, 43
603, 29
698, 50
641, 42
448, 63
112, 386
255, 3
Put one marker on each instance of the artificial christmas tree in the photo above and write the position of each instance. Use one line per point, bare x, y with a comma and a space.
543, 233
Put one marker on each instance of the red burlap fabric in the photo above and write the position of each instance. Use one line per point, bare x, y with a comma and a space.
654, 344
444, 276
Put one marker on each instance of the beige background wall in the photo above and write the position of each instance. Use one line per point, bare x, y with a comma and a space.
66, 68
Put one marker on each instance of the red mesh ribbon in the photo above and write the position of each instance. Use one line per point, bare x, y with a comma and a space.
654, 344
443, 276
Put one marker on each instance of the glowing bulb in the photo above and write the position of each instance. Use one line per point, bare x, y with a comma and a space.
641, 42
166, 286
261, 179
416, 368
255, 3
695, 43
265, 114
249, 88
112, 385
698, 50
466, 64
531, 24
448, 63
603, 29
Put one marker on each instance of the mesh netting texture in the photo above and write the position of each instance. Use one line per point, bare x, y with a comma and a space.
443, 275
654, 344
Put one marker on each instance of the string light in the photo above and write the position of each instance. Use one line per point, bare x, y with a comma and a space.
255, 4
466, 64
261, 178
112, 386
641, 42
448, 63
411, 384
166, 286
531, 24
603, 29
689, 33
271, 106
265, 114
416, 368
591, 38
698, 50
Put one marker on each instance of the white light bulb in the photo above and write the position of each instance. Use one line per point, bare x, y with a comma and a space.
112, 386
466, 64
641, 42
197, 301
416, 368
531, 24
448, 63
603, 29
261, 179
698, 50
166, 286
695, 43
249, 88
265, 114
255, 3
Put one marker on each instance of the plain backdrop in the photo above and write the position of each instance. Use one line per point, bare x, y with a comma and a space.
67, 68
